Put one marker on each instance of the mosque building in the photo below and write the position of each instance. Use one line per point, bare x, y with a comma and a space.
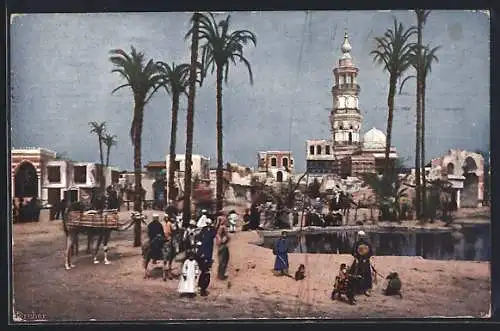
347, 153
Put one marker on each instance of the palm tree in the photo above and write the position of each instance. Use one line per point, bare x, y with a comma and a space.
194, 33
219, 50
428, 56
393, 51
419, 148
109, 140
144, 80
422, 58
175, 79
389, 192
99, 128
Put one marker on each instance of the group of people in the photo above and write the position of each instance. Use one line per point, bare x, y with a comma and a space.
25, 211
197, 241
350, 281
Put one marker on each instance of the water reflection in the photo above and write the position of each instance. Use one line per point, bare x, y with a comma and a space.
470, 243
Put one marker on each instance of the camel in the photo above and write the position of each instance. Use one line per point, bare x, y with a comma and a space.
103, 234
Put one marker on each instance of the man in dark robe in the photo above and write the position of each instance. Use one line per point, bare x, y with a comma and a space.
281, 252
254, 217
156, 238
361, 266
207, 237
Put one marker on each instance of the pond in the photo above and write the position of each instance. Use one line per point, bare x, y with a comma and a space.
472, 243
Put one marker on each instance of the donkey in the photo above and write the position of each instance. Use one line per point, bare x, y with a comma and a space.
72, 232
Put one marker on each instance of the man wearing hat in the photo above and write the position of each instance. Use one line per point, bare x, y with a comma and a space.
207, 236
361, 266
156, 237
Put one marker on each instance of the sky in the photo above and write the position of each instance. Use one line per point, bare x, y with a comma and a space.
61, 79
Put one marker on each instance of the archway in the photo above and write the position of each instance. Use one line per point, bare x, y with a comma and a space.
350, 137
25, 181
279, 176
469, 165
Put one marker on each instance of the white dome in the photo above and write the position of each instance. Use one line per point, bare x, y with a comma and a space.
374, 139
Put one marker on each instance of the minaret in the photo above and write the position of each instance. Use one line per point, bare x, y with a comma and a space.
345, 117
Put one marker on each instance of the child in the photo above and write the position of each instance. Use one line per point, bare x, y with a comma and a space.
343, 285
246, 220
190, 271
300, 274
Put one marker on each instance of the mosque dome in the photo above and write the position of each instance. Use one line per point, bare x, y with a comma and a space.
374, 139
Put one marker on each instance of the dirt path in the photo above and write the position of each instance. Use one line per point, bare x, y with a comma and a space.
118, 291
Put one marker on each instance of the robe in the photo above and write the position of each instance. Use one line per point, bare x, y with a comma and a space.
362, 253
281, 252
188, 280
156, 239
207, 236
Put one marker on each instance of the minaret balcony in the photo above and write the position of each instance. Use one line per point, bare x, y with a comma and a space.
343, 88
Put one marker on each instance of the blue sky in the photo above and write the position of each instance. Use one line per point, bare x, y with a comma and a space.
61, 79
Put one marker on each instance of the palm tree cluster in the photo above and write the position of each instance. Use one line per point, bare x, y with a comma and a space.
109, 140
220, 48
397, 53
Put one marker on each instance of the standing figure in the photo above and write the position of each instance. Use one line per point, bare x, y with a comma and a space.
204, 265
281, 252
232, 219
156, 238
206, 237
361, 266
254, 217
222, 239
188, 281
169, 251
295, 217
246, 220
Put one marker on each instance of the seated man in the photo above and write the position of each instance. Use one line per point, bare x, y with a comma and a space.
156, 237
393, 286
344, 285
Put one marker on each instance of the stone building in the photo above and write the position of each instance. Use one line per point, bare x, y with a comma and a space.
465, 172
277, 164
347, 153
35, 172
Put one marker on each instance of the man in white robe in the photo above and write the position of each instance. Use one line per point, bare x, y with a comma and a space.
188, 280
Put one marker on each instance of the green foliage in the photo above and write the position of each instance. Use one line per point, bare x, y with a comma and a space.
390, 194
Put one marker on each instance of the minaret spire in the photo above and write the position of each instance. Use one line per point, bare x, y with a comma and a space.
346, 47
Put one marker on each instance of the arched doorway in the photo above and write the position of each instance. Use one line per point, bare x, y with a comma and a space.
25, 181
279, 176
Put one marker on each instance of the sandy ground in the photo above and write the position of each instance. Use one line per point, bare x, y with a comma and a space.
119, 292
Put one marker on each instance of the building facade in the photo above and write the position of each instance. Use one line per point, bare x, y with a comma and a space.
347, 153
277, 164
37, 173
465, 172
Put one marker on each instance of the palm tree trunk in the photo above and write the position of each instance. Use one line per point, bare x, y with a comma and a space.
418, 168
173, 141
101, 173
422, 141
139, 110
190, 121
390, 117
220, 161
107, 155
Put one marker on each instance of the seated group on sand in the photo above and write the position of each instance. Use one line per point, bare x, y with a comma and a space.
357, 279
